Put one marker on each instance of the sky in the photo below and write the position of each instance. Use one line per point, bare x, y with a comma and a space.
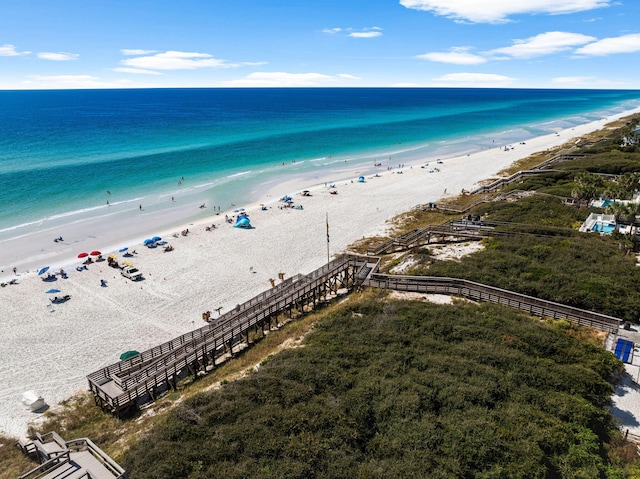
70, 44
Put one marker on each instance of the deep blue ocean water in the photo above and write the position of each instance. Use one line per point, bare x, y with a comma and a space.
66, 153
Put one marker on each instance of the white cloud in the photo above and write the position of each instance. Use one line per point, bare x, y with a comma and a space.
8, 50
137, 71
498, 11
457, 56
58, 57
609, 46
366, 34
283, 79
174, 60
544, 44
353, 33
133, 51
479, 80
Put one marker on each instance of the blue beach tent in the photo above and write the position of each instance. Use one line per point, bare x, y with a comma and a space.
242, 222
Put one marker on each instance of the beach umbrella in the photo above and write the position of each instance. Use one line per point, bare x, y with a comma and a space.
127, 263
43, 270
128, 354
51, 291
148, 241
83, 255
156, 238
95, 253
122, 250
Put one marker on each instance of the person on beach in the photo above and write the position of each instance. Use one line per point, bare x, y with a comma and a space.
140, 207
15, 270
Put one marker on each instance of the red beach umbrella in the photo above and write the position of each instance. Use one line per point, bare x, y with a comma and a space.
95, 253
83, 255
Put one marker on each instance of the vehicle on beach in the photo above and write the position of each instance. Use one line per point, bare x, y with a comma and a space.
132, 273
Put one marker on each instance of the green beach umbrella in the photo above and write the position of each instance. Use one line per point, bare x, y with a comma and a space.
128, 354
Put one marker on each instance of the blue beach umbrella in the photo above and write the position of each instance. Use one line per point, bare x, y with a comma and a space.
51, 291
122, 250
43, 270
148, 241
156, 238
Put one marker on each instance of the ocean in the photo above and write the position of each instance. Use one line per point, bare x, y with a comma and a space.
73, 156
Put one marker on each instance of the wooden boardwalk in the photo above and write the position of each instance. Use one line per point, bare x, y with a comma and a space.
133, 382
481, 292
460, 229
76, 459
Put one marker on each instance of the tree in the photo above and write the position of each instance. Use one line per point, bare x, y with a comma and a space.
613, 190
586, 186
630, 182
633, 211
618, 210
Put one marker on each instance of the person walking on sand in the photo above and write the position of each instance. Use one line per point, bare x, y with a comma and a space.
140, 207
15, 271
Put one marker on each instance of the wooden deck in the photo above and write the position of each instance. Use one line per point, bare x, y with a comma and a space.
133, 382
76, 459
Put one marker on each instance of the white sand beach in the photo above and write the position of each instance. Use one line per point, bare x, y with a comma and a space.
51, 348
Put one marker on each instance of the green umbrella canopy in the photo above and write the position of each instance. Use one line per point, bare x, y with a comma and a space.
128, 354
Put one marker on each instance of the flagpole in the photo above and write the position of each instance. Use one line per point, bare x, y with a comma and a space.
327, 237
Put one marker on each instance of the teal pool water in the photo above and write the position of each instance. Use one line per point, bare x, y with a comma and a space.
601, 227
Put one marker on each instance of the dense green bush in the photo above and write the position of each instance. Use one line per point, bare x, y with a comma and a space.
396, 390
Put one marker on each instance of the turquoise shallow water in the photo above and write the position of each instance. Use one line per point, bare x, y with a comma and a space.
64, 154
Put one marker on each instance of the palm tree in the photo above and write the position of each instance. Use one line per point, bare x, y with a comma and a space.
630, 182
586, 186
613, 190
633, 211
618, 210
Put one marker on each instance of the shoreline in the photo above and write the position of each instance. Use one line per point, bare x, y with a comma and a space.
29, 246
45, 343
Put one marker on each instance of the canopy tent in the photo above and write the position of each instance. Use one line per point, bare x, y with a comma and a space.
242, 221
33, 401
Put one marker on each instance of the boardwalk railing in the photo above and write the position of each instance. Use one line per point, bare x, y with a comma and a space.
480, 292
63, 460
455, 228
